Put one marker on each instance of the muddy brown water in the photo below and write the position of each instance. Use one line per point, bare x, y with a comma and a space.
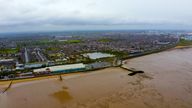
166, 83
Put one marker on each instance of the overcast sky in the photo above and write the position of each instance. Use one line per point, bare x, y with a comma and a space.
38, 15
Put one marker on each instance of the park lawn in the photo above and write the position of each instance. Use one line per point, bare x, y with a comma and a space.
184, 42
9, 51
72, 41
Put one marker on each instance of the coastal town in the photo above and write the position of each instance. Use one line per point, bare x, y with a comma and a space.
95, 54
33, 55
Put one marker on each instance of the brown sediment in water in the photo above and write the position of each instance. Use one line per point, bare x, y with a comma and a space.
166, 83
62, 95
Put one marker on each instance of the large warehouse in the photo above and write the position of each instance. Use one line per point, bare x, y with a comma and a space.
61, 69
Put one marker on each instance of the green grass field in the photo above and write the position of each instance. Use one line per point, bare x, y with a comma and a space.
9, 51
48, 42
72, 41
184, 42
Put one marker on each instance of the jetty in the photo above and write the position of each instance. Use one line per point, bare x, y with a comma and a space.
132, 70
10, 84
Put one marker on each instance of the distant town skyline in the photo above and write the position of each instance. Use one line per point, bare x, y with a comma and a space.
51, 15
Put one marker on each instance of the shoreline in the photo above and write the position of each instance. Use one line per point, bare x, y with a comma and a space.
182, 47
6, 82
15, 81
113, 87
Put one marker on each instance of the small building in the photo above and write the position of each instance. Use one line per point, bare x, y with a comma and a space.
30, 66
19, 66
187, 37
26, 75
99, 65
61, 69
7, 64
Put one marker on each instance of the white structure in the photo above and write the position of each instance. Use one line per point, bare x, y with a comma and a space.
97, 55
62, 69
188, 37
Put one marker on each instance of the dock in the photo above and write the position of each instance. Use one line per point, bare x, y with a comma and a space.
132, 70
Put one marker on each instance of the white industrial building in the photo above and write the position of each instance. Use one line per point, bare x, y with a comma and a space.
61, 69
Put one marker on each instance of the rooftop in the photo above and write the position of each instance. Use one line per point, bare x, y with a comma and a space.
61, 67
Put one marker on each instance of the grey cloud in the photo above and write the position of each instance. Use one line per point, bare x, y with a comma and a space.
135, 13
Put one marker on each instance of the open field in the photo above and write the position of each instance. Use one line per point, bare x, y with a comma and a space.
185, 42
9, 51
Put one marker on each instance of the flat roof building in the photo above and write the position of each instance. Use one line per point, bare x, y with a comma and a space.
61, 69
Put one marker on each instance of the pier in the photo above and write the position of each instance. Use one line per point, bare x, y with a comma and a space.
132, 70
8, 87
